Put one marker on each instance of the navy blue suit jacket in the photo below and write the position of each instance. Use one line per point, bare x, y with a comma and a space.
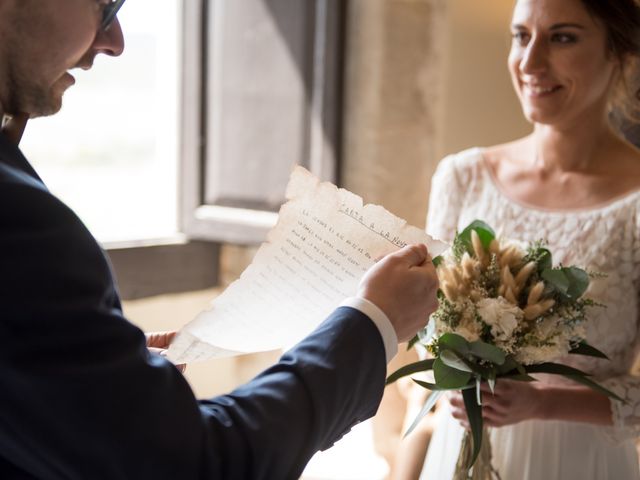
81, 397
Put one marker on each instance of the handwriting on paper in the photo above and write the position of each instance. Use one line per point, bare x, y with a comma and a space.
324, 242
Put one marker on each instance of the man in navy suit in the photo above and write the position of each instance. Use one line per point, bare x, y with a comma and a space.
81, 396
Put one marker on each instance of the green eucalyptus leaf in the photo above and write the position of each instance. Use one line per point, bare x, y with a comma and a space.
545, 260
451, 359
487, 352
421, 366
578, 281
555, 368
520, 378
595, 386
508, 366
433, 386
583, 348
447, 377
474, 412
491, 380
483, 371
558, 279
426, 408
413, 341
484, 231
492, 385
455, 342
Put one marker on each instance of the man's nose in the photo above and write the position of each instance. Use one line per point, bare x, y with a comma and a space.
109, 41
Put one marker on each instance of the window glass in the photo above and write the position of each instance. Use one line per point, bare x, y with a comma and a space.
111, 152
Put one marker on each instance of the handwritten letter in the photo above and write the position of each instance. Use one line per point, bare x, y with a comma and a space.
324, 242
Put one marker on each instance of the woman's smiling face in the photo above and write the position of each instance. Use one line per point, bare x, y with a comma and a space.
559, 62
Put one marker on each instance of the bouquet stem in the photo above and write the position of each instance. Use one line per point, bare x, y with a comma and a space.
482, 469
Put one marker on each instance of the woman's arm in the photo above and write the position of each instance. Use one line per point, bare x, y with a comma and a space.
514, 402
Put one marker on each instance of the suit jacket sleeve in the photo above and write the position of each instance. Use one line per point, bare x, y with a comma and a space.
81, 397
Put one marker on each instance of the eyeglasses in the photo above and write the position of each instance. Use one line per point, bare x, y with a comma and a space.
110, 12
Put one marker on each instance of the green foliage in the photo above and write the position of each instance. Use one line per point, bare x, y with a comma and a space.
474, 412
426, 408
584, 348
573, 312
569, 282
448, 377
509, 366
490, 278
447, 313
421, 366
462, 241
538, 253
435, 387
455, 342
413, 341
487, 352
595, 386
453, 360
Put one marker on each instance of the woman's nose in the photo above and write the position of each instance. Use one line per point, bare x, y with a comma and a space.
534, 57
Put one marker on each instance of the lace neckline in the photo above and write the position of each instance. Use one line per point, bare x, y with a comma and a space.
606, 207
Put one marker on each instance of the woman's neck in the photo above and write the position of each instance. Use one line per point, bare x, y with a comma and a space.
572, 149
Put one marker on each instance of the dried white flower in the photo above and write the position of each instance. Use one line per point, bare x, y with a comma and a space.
502, 316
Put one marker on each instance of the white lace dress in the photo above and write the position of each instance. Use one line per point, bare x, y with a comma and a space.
604, 239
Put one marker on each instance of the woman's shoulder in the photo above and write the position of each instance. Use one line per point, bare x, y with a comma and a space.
464, 159
505, 152
464, 165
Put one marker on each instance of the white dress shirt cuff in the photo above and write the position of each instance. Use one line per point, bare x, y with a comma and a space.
380, 319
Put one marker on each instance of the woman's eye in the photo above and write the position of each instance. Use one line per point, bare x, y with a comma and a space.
563, 38
521, 38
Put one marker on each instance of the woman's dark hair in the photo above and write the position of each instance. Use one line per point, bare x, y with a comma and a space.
621, 19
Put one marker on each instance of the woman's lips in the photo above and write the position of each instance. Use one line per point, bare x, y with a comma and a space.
540, 91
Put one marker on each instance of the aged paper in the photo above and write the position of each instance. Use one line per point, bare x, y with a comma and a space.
323, 243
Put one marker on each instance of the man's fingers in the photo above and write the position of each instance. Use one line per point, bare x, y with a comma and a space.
414, 255
160, 339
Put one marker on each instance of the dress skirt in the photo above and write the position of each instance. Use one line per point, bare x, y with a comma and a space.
537, 450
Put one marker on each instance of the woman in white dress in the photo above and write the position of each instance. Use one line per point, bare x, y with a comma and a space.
575, 183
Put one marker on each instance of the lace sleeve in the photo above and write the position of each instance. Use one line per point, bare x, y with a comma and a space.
626, 416
445, 201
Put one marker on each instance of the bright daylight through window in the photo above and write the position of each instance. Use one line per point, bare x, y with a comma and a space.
111, 153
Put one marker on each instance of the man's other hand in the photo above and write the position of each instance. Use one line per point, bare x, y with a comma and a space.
158, 342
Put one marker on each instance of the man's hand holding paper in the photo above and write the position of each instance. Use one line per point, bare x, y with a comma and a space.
403, 285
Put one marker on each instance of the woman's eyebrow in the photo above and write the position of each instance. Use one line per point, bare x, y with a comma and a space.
558, 26
555, 26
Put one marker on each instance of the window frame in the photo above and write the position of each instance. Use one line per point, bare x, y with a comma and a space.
244, 226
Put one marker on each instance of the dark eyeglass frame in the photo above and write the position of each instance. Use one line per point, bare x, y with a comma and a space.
109, 14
